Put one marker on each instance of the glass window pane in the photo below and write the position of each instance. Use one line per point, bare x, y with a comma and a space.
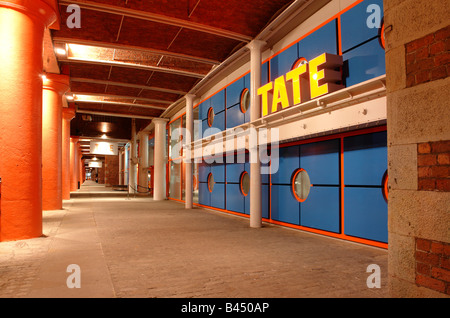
301, 185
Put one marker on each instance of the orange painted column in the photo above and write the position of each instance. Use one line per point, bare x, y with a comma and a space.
22, 24
53, 89
68, 115
73, 164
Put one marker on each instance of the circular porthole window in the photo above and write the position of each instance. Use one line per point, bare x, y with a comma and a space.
381, 36
211, 116
245, 100
301, 185
299, 62
211, 182
245, 183
385, 188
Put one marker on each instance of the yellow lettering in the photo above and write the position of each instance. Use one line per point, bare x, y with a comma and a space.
264, 92
279, 94
316, 76
294, 76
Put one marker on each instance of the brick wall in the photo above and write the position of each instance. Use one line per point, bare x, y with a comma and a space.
433, 265
111, 170
428, 58
433, 161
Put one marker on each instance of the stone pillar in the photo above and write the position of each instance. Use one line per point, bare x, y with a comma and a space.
159, 191
132, 185
417, 63
143, 161
21, 37
121, 167
73, 164
54, 86
68, 115
188, 160
255, 113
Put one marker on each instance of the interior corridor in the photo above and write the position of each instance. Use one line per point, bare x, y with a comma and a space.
133, 247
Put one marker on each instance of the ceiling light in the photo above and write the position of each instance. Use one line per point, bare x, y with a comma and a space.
104, 136
69, 97
60, 51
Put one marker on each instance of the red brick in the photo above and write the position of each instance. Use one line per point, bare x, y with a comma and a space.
427, 185
440, 171
437, 247
441, 59
424, 147
427, 258
423, 77
438, 73
447, 249
442, 34
410, 58
410, 80
431, 283
426, 160
443, 185
441, 274
443, 158
422, 54
419, 43
437, 48
445, 263
423, 269
440, 146
423, 244
424, 172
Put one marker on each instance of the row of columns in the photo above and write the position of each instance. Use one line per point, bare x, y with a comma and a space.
35, 147
255, 165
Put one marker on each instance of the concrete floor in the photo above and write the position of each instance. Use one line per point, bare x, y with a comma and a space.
135, 247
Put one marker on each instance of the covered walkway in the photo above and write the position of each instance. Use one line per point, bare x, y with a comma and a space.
134, 247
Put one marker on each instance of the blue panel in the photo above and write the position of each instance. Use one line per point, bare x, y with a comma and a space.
203, 110
366, 214
365, 159
289, 161
354, 25
204, 196
321, 41
235, 199
218, 172
219, 121
321, 161
285, 207
265, 74
365, 62
233, 92
283, 62
203, 171
265, 204
321, 209
234, 171
218, 196
247, 204
218, 101
235, 116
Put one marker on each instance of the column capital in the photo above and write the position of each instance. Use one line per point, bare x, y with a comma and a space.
190, 97
56, 82
160, 120
256, 45
68, 113
44, 11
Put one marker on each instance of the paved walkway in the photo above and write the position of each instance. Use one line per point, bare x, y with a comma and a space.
135, 247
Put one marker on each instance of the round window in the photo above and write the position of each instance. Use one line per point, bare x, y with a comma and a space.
382, 38
211, 182
385, 188
245, 183
245, 100
299, 62
301, 185
210, 116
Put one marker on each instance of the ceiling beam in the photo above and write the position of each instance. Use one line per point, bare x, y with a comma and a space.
113, 83
93, 112
65, 40
149, 16
131, 65
78, 99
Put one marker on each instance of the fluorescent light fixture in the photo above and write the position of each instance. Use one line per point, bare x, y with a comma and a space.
60, 51
69, 97
104, 136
